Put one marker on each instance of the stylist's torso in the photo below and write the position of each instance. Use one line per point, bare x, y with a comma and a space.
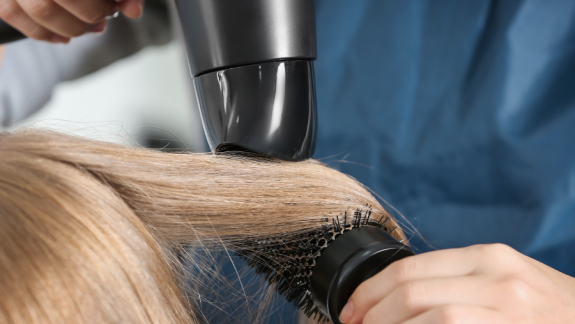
459, 113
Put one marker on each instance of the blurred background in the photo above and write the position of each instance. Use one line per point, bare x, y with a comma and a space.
157, 110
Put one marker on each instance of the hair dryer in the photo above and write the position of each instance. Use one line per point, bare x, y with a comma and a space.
252, 62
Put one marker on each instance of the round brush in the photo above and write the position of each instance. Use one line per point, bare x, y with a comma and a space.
318, 270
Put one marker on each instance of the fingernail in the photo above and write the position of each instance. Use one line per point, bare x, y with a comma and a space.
59, 39
98, 28
346, 313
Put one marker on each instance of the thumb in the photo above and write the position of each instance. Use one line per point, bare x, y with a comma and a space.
132, 8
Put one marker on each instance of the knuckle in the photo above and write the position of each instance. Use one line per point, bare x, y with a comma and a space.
495, 251
413, 295
499, 249
515, 288
500, 258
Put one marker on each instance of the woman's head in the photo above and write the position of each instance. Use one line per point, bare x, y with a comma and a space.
89, 230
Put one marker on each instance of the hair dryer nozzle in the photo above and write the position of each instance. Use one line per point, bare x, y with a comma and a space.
267, 108
253, 72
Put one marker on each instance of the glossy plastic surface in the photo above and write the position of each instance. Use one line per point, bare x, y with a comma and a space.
227, 33
351, 259
267, 108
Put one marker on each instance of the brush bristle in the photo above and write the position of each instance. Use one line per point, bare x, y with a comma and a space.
287, 262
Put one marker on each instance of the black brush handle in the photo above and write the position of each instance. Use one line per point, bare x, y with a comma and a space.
354, 257
8, 33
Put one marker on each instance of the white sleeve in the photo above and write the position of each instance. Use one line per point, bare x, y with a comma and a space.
31, 69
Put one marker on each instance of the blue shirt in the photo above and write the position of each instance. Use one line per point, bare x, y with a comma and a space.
460, 114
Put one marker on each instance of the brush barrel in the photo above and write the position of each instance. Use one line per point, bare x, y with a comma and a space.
351, 259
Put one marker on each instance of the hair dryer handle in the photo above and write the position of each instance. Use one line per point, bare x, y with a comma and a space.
8, 33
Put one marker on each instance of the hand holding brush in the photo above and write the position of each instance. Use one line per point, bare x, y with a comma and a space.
492, 284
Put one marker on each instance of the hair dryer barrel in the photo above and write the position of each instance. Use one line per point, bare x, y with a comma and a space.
253, 72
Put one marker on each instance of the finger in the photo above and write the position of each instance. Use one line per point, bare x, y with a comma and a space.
477, 259
89, 11
53, 17
416, 297
132, 8
12, 13
458, 314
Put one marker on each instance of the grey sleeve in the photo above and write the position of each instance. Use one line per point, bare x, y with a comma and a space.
31, 69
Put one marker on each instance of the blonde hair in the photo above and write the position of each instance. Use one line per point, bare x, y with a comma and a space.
89, 231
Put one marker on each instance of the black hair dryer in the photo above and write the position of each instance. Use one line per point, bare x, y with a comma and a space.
252, 63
